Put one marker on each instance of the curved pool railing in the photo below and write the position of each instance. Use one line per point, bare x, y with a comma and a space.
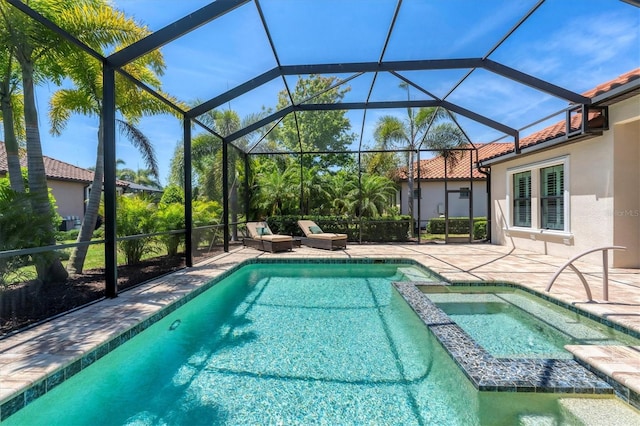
605, 271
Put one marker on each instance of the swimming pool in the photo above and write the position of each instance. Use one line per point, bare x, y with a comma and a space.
510, 322
291, 344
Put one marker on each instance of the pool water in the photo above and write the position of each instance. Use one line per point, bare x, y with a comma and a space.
285, 344
511, 323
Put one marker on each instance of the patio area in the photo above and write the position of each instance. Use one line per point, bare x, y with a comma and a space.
41, 357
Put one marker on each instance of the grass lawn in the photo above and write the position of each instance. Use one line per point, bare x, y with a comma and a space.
94, 260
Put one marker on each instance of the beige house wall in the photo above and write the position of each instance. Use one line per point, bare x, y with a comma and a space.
626, 227
432, 202
69, 197
602, 193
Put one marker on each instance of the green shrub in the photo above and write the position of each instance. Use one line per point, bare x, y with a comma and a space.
99, 233
17, 226
22, 228
479, 230
134, 216
384, 229
205, 213
172, 194
170, 217
69, 235
459, 225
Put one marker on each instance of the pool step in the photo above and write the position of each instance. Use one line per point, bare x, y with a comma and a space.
598, 412
537, 420
414, 274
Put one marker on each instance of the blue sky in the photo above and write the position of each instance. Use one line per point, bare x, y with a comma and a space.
576, 44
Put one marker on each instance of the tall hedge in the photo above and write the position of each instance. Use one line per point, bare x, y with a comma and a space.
383, 229
459, 225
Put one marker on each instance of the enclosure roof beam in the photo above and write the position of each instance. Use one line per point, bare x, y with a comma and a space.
175, 30
479, 118
534, 82
391, 66
411, 104
375, 105
255, 126
353, 67
234, 93
367, 105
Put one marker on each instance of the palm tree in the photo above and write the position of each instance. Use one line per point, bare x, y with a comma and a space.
11, 110
312, 191
144, 177
340, 189
86, 98
276, 190
415, 131
375, 194
38, 51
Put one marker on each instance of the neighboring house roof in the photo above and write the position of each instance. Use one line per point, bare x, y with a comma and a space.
434, 168
136, 187
55, 169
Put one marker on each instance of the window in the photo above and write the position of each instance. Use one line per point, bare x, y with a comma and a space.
538, 196
552, 197
464, 193
522, 199
417, 194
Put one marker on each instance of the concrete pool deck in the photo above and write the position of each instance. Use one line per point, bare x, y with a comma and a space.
39, 358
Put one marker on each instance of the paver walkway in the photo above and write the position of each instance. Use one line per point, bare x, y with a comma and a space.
44, 351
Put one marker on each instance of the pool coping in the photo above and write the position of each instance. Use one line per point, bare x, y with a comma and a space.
187, 285
489, 373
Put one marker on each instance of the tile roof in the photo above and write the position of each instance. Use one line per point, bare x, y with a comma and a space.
434, 168
616, 82
54, 169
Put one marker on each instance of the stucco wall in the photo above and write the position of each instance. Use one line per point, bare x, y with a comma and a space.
69, 197
626, 227
599, 169
432, 202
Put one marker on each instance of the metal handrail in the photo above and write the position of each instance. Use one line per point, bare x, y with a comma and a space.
605, 271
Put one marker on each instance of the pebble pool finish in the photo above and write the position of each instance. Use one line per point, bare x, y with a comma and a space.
488, 373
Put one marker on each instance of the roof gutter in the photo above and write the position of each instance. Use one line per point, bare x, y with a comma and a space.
551, 143
630, 88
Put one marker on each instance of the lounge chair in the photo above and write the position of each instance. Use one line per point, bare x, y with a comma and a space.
261, 238
314, 237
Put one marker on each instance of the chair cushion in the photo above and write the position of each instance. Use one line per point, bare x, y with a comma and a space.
329, 236
274, 238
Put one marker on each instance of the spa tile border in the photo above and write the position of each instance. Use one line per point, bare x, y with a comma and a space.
488, 373
36, 390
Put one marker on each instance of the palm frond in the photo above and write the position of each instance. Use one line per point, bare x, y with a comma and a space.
140, 141
64, 102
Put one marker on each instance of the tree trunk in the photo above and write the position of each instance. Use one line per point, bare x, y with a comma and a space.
233, 198
10, 141
48, 265
79, 253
